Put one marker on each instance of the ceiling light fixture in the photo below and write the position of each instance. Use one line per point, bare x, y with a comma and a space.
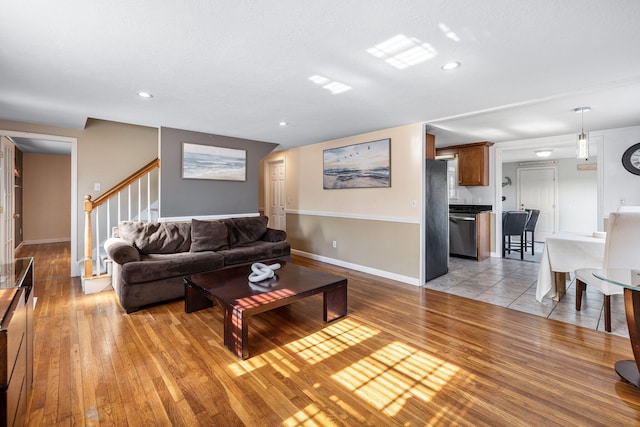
544, 153
283, 124
582, 149
145, 95
451, 65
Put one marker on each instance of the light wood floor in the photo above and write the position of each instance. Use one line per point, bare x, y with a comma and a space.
403, 356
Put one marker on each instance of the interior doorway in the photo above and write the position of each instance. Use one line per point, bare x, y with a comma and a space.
276, 198
43, 144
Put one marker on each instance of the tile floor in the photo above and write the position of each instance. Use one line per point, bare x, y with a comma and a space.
511, 283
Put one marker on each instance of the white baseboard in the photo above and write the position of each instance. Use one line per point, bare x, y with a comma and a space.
374, 271
41, 241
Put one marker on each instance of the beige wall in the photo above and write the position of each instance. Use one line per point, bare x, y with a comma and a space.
106, 152
46, 183
376, 228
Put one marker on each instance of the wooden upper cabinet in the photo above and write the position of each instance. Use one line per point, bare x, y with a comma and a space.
473, 162
430, 146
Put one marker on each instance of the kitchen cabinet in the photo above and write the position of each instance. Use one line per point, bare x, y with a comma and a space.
473, 162
430, 146
16, 343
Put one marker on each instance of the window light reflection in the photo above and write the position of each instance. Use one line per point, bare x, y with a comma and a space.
331, 340
310, 415
393, 375
403, 52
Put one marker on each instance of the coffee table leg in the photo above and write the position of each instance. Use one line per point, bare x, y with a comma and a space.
236, 335
335, 302
194, 299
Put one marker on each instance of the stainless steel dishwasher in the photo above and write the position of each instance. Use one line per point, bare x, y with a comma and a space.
463, 234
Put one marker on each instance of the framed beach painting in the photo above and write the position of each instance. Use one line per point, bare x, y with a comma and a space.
208, 162
366, 165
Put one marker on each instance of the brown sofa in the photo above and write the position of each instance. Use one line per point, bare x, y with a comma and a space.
150, 259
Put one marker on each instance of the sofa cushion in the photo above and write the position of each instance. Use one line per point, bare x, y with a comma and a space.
255, 251
161, 266
157, 237
208, 236
245, 230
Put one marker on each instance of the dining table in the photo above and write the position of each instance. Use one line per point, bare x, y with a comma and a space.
564, 253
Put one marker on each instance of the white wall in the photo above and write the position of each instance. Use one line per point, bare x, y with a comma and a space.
509, 192
618, 185
577, 196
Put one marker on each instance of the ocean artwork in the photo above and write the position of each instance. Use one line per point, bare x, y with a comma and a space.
366, 165
208, 162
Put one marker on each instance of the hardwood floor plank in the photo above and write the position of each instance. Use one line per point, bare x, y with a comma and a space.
404, 355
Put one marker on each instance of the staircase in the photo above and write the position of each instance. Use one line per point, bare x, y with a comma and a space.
135, 198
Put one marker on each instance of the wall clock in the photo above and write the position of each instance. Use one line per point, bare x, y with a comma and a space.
631, 159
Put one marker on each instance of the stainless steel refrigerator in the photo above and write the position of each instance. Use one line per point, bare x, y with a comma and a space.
436, 219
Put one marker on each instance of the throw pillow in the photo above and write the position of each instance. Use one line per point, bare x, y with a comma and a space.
208, 236
244, 230
157, 237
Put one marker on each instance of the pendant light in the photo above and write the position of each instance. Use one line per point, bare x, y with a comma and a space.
582, 149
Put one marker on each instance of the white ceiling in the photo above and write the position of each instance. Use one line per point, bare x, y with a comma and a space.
238, 68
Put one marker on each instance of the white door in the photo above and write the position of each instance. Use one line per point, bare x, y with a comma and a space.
7, 206
277, 198
537, 190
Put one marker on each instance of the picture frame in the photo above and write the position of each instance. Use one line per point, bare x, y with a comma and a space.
364, 165
214, 163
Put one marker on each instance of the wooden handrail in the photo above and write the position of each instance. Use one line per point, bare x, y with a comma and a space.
90, 205
122, 184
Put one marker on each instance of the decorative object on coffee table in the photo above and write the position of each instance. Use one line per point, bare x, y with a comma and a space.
260, 272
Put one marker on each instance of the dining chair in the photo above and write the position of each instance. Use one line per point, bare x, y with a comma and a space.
513, 223
530, 227
621, 249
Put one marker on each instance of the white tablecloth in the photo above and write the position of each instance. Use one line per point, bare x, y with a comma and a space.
567, 252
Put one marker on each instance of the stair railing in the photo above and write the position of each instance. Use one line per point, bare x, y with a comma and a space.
126, 188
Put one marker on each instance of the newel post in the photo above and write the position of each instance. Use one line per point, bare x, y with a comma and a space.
88, 244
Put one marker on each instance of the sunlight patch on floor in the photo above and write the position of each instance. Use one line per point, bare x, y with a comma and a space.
310, 415
331, 340
395, 374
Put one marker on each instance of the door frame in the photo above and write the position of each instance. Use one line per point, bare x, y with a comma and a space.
75, 267
533, 144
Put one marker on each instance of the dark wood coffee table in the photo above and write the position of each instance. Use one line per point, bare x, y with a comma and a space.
241, 299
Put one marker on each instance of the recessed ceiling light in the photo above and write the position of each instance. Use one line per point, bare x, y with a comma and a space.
544, 153
145, 95
451, 65
283, 124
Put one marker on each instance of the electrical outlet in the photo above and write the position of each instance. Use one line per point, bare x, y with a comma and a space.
335, 244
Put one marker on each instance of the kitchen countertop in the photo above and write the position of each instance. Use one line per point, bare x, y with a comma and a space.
471, 209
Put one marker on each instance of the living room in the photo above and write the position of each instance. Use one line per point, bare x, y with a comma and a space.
372, 235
